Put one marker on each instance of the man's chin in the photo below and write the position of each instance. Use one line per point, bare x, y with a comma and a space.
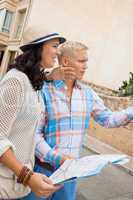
80, 78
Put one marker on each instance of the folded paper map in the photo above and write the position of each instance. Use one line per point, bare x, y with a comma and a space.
85, 167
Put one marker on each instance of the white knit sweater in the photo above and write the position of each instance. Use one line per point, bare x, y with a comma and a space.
19, 112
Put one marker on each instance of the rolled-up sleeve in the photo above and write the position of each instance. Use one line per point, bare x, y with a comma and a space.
11, 97
43, 151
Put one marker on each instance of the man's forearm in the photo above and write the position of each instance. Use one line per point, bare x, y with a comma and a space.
110, 119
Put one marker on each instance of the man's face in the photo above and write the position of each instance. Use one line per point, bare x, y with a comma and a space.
79, 61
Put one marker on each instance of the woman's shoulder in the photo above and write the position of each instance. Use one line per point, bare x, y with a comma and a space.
15, 73
16, 76
15, 82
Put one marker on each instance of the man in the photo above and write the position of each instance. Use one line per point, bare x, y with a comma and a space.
69, 104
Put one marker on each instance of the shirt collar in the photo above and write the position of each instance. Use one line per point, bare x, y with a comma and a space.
61, 84
78, 85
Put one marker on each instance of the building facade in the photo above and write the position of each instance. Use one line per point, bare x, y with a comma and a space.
13, 17
106, 27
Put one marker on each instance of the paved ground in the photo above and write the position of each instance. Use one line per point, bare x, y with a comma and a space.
112, 184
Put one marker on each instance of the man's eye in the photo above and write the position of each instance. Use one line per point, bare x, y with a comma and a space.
84, 61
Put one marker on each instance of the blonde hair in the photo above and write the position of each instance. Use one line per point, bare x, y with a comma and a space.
70, 47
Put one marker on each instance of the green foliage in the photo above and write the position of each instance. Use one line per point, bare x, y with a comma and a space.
127, 87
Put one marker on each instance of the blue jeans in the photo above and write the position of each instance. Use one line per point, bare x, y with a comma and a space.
67, 192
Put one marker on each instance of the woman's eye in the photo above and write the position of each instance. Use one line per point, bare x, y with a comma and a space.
55, 46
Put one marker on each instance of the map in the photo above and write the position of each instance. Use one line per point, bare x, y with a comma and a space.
85, 167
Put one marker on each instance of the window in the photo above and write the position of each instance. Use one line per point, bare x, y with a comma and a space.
2, 16
1, 11
12, 56
19, 23
7, 22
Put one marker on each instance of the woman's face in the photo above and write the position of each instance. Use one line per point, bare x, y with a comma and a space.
49, 53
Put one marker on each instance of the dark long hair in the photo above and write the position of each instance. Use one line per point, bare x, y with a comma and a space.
29, 63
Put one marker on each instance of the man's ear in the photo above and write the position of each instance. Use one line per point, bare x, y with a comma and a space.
65, 61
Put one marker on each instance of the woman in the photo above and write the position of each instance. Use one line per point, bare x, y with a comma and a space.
19, 111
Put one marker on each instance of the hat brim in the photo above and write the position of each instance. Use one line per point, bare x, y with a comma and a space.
35, 43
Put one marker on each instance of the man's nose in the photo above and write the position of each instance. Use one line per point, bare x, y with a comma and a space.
85, 66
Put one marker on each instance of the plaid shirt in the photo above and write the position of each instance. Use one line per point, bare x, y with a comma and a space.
63, 122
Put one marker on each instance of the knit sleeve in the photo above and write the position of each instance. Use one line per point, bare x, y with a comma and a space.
11, 98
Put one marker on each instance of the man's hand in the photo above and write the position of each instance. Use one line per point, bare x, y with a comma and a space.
62, 73
129, 126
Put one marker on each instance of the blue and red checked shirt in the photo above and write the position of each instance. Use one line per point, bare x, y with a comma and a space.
64, 122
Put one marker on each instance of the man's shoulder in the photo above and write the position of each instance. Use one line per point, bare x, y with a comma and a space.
57, 84
84, 86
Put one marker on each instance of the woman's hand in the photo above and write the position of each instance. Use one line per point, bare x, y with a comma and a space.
41, 185
62, 73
